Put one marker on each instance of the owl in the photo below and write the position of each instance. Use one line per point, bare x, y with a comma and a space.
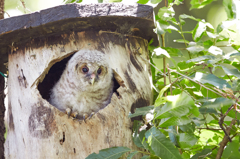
85, 86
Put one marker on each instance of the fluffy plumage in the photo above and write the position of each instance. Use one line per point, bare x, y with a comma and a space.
86, 84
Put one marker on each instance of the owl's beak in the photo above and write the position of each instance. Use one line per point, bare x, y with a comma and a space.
93, 77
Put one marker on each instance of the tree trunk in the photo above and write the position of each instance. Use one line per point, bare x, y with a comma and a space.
2, 96
36, 126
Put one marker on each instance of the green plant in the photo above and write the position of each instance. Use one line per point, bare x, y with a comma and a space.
195, 114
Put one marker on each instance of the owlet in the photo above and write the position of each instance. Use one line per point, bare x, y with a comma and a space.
85, 86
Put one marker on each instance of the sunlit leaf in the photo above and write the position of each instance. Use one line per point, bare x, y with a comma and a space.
199, 30
181, 41
215, 50
197, 4
155, 1
177, 106
201, 58
159, 51
142, 1
184, 16
194, 47
224, 25
228, 5
160, 100
211, 79
165, 122
113, 153
212, 35
162, 146
141, 111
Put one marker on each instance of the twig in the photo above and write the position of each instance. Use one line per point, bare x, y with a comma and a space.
209, 128
221, 120
169, 77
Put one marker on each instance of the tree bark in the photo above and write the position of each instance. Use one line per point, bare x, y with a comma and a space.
2, 111
2, 96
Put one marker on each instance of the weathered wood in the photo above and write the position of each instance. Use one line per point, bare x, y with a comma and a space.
134, 20
37, 127
2, 113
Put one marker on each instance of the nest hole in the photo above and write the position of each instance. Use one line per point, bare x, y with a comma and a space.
55, 73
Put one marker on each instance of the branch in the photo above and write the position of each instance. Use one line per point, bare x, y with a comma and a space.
225, 139
209, 128
222, 120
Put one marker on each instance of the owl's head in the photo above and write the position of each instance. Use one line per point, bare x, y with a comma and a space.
90, 68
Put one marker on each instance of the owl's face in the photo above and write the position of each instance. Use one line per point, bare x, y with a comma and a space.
92, 73
90, 69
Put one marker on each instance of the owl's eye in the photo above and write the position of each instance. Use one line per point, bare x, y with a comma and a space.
85, 69
99, 71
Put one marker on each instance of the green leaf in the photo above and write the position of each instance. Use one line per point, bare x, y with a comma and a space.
146, 157
177, 106
141, 111
165, 122
139, 141
234, 72
202, 154
199, 30
110, 153
110, 1
173, 51
155, 1
185, 155
231, 150
142, 1
228, 5
215, 50
218, 103
201, 58
94, 156
194, 47
188, 128
211, 79
197, 4
181, 41
164, 26
130, 156
187, 140
162, 146
160, 99
159, 52
184, 16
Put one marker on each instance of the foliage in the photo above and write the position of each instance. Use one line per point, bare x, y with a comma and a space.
197, 108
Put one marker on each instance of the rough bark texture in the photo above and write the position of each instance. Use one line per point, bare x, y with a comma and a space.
37, 129
2, 111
